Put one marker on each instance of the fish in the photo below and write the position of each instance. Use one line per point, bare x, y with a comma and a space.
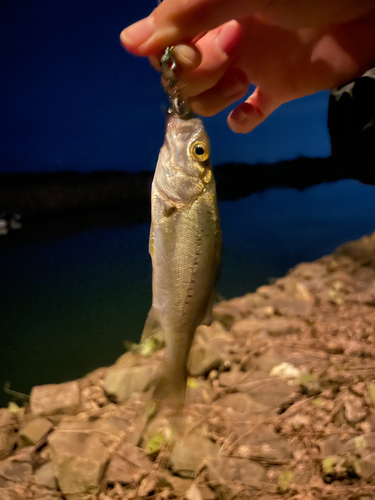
185, 248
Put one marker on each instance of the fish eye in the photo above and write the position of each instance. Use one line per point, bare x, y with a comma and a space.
199, 151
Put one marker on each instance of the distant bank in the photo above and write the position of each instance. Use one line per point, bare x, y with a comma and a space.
59, 193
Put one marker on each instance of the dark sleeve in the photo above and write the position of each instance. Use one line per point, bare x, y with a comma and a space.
351, 121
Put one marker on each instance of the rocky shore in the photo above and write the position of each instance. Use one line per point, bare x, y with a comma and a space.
280, 404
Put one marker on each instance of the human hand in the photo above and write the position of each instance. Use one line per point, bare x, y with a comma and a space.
287, 49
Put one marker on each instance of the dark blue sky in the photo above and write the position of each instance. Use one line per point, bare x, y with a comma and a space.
72, 98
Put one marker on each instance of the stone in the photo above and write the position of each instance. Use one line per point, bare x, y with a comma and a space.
43, 493
45, 476
366, 468
34, 431
309, 271
13, 493
235, 470
6, 419
80, 452
271, 392
239, 403
265, 444
8, 436
122, 381
293, 307
7, 443
188, 453
198, 391
13, 471
159, 434
179, 484
233, 378
228, 312
362, 251
199, 492
203, 358
275, 326
55, 399
128, 465
353, 408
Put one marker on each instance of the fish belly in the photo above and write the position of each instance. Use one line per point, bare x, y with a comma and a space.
185, 261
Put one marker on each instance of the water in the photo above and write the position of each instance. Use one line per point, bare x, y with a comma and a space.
67, 303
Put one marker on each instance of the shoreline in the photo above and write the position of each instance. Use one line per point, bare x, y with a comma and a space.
280, 404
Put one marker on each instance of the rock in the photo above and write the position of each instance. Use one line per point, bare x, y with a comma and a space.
353, 408
8, 436
7, 443
13, 493
179, 485
285, 370
128, 465
222, 470
199, 492
198, 392
122, 381
79, 453
275, 327
45, 476
34, 431
362, 251
188, 453
236, 414
159, 434
13, 471
299, 421
43, 493
309, 271
6, 419
290, 306
263, 443
203, 358
233, 378
271, 393
231, 311
55, 399
240, 403
366, 468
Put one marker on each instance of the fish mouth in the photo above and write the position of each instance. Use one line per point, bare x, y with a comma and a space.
180, 107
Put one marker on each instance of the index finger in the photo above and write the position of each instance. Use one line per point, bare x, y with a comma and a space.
175, 21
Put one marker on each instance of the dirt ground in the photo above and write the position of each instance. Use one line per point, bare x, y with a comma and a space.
280, 405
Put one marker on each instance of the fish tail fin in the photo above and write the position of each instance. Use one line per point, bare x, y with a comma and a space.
170, 387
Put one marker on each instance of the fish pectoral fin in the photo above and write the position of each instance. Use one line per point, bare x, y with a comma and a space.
152, 326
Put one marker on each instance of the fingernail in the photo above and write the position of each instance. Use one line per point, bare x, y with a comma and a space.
137, 34
229, 36
241, 113
187, 56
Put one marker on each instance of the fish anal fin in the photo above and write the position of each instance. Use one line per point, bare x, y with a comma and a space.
208, 317
151, 243
152, 326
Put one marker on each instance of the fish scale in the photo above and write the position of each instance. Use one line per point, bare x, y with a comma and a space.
185, 246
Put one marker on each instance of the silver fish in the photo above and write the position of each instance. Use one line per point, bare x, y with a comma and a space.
185, 247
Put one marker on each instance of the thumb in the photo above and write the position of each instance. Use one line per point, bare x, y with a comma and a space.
174, 21
248, 115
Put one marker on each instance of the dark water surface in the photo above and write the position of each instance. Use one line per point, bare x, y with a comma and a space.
68, 302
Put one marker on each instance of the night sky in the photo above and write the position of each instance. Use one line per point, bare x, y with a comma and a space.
73, 99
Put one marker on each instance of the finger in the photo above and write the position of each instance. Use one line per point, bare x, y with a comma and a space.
218, 49
173, 22
232, 86
252, 112
187, 58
